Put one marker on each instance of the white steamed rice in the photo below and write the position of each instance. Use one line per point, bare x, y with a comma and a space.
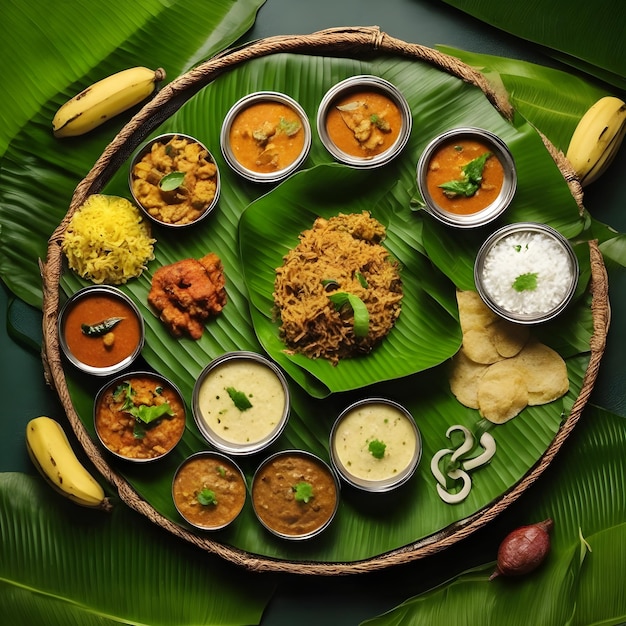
527, 253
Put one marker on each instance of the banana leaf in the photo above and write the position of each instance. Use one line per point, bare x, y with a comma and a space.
588, 36
39, 173
63, 565
36, 59
578, 493
437, 100
530, 88
581, 580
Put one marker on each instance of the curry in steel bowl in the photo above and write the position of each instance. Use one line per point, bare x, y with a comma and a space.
174, 179
295, 494
101, 330
364, 121
139, 416
209, 490
466, 177
265, 136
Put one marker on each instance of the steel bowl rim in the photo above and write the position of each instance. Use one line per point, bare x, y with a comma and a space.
143, 149
236, 108
377, 486
220, 443
213, 454
492, 211
316, 458
505, 231
89, 369
131, 374
350, 84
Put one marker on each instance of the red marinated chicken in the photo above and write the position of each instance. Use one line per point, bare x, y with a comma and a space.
187, 293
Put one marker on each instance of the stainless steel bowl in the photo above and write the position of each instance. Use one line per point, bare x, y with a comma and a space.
364, 433
159, 381
224, 463
499, 149
506, 263
241, 105
145, 149
285, 488
367, 83
108, 292
225, 426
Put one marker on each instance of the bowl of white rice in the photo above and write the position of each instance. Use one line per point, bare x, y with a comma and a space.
526, 272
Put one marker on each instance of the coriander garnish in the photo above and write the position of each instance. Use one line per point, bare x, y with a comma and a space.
377, 448
471, 177
303, 492
239, 398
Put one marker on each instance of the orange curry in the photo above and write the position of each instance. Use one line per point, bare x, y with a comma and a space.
128, 436
107, 349
447, 165
266, 137
209, 492
364, 123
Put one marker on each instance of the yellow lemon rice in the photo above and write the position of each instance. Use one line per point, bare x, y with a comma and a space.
108, 240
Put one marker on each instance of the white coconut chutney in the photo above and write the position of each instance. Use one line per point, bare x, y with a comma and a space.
226, 416
376, 422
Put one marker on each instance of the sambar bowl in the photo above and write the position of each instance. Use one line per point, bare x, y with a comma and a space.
295, 494
265, 136
526, 272
241, 402
174, 180
209, 490
100, 330
364, 121
466, 177
375, 445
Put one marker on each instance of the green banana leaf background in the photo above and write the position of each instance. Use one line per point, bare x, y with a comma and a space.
584, 35
581, 582
590, 472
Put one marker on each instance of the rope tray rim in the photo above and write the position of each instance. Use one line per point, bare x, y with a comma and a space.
345, 41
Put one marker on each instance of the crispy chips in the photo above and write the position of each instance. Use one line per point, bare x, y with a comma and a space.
500, 369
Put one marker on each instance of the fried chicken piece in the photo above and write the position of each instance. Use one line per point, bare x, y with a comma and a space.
187, 293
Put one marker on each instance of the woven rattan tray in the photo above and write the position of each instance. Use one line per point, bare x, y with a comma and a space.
349, 42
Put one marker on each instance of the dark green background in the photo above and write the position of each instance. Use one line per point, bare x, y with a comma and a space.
345, 600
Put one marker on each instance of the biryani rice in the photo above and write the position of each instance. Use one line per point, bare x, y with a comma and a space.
346, 250
108, 240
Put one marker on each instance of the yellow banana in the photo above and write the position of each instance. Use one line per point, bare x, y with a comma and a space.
52, 455
105, 99
597, 138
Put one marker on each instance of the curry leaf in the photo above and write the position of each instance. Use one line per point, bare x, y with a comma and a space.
148, 414
359, 310
239, 398
172, 181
